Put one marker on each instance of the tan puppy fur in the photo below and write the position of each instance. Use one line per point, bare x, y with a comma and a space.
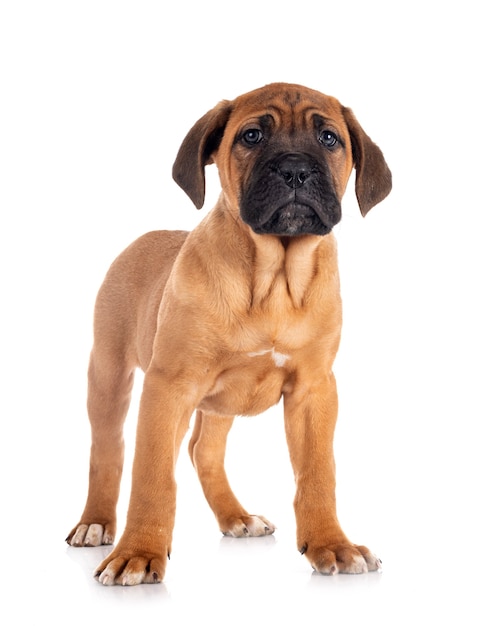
226, 320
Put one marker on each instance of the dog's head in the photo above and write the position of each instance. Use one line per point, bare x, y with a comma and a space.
284, 155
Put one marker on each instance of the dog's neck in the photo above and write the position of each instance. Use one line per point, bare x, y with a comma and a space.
284, 267
285, 241
279, 270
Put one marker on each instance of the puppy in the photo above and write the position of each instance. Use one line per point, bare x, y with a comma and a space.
226, 320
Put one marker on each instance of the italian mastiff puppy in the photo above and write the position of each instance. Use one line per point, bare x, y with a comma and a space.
226, 320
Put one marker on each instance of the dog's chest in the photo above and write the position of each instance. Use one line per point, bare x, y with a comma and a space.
250, 384
253, 375
278, 357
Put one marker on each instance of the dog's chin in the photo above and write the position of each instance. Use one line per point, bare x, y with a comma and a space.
293, 220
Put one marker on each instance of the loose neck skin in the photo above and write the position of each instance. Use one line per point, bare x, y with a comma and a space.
282, 266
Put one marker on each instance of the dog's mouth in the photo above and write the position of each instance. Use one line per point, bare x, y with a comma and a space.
292, 219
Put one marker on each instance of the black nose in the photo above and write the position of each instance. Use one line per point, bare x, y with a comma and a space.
295, 170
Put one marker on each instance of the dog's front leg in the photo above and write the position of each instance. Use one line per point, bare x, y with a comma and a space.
310, 419
142, 552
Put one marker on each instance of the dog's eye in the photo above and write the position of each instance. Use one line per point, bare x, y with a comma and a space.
252, 136
328, 138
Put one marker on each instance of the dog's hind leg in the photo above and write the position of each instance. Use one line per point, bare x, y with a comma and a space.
207, 451
110, 381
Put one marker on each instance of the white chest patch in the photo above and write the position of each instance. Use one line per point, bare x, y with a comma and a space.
278, 358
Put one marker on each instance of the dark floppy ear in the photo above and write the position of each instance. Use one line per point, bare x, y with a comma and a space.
196, 150
373, 177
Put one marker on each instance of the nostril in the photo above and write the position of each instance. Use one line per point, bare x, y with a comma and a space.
302, 176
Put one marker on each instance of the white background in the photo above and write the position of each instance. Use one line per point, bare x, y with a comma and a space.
95, 100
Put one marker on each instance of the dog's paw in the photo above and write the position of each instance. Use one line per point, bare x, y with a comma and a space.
131, 569
248, 526
90, 535
344, 558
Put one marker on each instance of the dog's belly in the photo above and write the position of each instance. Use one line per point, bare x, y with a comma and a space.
248, 389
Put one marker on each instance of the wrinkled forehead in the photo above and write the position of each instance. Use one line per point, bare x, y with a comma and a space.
289, 104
